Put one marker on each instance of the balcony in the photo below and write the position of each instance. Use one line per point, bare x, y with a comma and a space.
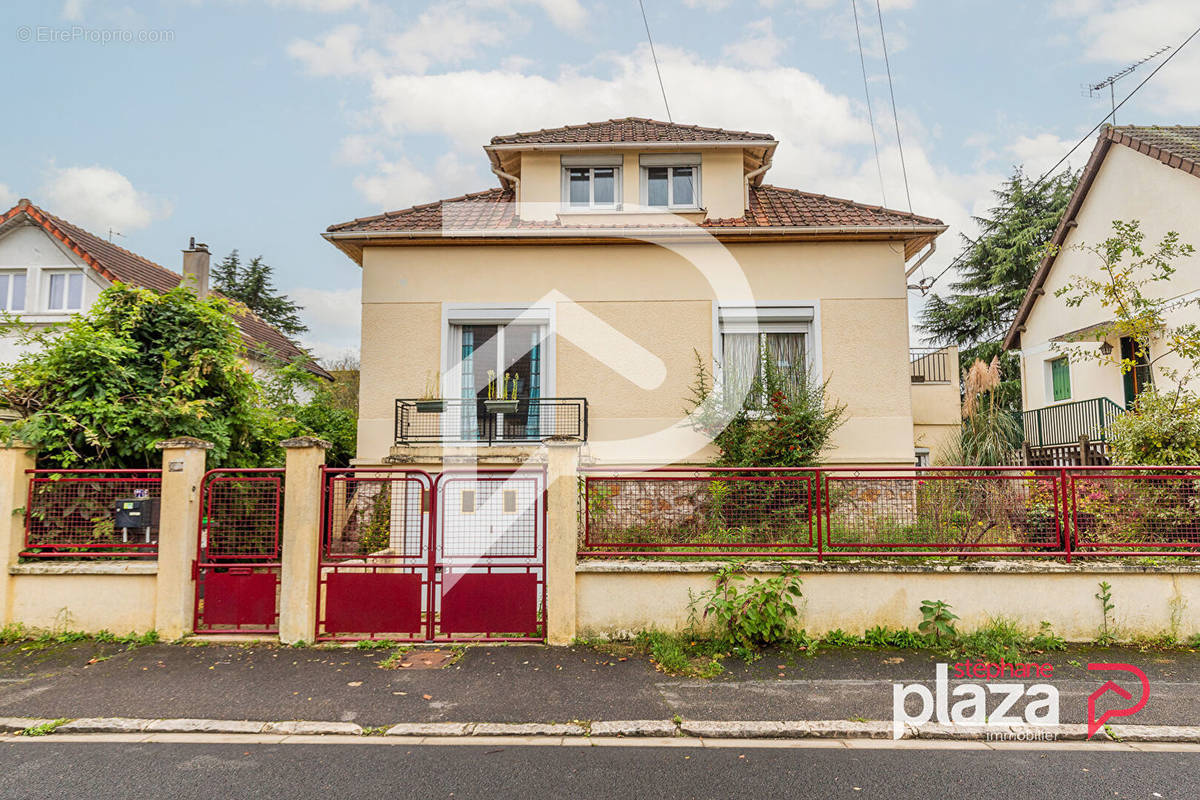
1065, 423
458, 421
930, 365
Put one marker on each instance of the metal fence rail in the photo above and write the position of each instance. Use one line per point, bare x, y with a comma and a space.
929, 365
1015, 511
940, 511
523, 421
89, 513
690, 510
1066, 422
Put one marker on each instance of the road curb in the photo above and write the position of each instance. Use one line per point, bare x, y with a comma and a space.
699, 729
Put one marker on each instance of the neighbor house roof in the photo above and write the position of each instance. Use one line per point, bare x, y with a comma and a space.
120, 265
772, 210
1175, 146
630, 129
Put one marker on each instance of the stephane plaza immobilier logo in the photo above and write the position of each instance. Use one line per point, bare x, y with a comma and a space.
994, 703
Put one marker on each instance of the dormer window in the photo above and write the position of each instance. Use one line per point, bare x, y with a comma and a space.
12, 290
671, 181
595, 184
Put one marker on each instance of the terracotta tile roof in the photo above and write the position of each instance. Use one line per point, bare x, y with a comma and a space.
770, 207
1176, 146
1171, 145
630, 129
120, 265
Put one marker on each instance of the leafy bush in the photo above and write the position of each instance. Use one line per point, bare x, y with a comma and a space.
937, 621
785, 419
748, 617
376, 534
1161, 429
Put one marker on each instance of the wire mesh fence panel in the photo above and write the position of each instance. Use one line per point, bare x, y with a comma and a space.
243, 512
699, 509
1013, 510
92, 513
376, 514
1121, 511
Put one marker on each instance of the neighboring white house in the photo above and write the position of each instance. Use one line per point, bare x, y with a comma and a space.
1148, 174
51, 269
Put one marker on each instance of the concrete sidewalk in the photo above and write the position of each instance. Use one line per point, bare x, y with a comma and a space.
499, 684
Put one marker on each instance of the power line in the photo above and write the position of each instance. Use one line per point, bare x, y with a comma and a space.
870, 114
657, 71
925, 285
895, 116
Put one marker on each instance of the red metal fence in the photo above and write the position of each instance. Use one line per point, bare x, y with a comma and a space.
238, 562
88, 513
917, 511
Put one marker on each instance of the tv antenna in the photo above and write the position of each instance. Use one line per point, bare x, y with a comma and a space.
1111, 80
112, 233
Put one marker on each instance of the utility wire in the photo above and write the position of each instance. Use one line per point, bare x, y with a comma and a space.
867, 91
657, 71
895, 116
926, 285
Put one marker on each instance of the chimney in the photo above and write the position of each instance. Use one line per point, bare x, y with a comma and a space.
195, 267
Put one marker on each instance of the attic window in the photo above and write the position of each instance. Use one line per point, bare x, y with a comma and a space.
591, 187
12, 290
671, 181
65, 291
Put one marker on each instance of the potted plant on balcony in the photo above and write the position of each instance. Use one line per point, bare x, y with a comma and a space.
431, 401
502, 393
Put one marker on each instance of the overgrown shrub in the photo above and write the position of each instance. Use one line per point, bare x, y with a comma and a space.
750, 616
1160, 429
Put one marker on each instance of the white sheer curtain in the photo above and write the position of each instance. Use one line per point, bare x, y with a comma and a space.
740, 365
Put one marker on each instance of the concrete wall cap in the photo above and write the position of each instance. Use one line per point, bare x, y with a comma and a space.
306, 441
184, 443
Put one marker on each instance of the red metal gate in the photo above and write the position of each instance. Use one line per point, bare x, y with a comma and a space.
238, 564
411, 557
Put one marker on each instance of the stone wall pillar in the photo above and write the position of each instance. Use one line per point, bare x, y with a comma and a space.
562, 539
14, 497
301, 539
184, 461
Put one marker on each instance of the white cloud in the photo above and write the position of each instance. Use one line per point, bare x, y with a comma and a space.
98, 198
401, 183
1118, 33
708, 5
566, 14
334, 316
8, 198
322, 6
760, 47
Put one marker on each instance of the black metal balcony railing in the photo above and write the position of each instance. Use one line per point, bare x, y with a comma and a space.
481, 421
929, 365
1066, 422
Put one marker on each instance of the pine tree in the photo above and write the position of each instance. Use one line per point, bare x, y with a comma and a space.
995, 271
251, 284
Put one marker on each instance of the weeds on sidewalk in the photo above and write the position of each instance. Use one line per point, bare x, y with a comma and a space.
45, 728
36, 639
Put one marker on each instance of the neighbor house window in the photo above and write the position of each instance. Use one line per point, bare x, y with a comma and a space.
756, 340
671, 181
12, 290
591, 187
1060, 379
65, 291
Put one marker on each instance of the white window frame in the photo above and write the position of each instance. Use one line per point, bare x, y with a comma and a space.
591, 167
8, 296
1048, 377
671, 161
922, 457
791, 317
48, 278
455, 315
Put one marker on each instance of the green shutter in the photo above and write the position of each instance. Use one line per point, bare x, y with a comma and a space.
1060, 374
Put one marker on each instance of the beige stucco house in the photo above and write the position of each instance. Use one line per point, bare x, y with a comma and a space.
1148, 174
605, 260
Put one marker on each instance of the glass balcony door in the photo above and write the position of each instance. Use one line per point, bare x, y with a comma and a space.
489, 352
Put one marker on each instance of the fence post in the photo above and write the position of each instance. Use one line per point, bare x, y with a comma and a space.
301, 538
1085, 450
562, 539
14, 496
183, 465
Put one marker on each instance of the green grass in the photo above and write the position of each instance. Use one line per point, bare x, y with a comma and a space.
45, 728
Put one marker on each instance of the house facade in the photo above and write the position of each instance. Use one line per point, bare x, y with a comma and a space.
51, 269
610, 260
1148, 174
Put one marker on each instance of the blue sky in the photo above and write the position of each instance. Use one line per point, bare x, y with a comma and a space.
256, 123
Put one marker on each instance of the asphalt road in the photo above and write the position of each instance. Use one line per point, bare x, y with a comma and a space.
298, 771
